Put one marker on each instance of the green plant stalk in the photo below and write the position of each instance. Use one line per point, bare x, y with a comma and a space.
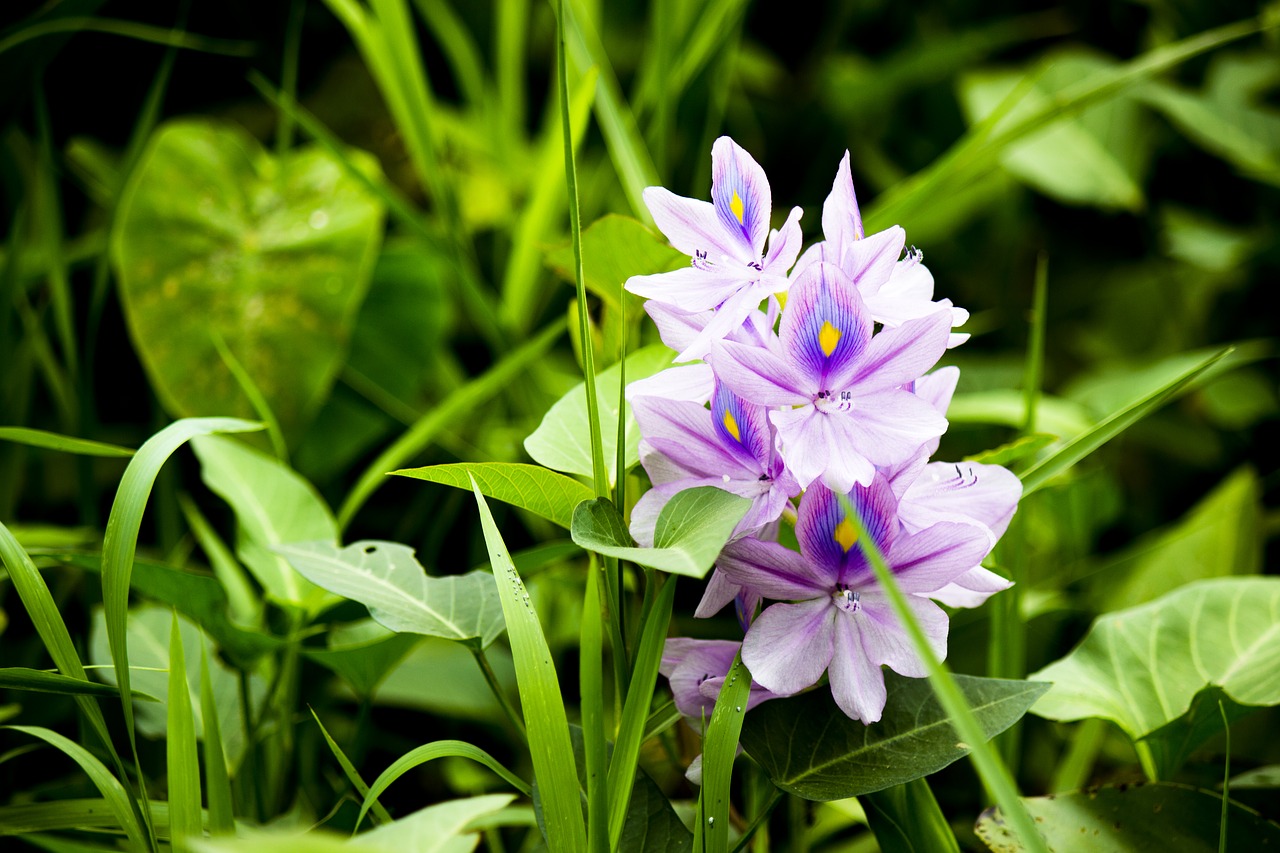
759, 822
1075, 768
504, 701
217, 781
133, 30
1007, 651
380, 814
985, 759
1226, 779
256, 399
591, 690
289, 75
180, 749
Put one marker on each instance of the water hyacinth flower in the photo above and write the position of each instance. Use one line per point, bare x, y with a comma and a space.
831, 616
725, 239
842, 408
895, 288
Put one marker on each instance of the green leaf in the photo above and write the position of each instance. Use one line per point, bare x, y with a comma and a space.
274, 506
719, 749
906, 819
691, 531
1136, 819
180, 745
539, 490
1096, 157
380, 814
388, 579
1220, 536
39, 681
215, 234
217, 781
614, 248
1231, 118
109, 786
558, 442
1142, 667
363, 654
543, 704
441, 828
811, 749
434, 660
148, 636
53, 441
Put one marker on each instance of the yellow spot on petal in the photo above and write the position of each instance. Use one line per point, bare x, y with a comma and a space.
845, 535
781, 296
735, 204
828, 337
732, 426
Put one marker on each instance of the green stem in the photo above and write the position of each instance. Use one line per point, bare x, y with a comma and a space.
491, 678
760, 820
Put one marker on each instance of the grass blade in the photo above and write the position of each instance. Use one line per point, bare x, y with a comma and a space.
591, 689
217, 782
67, 444
39, 681
1117, 422
353, 775
180, 750
462, 401
132, 30
112, 791
430, 752
719, 748
544, 710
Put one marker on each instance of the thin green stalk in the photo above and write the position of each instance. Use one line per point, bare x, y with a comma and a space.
504, 701
1033, 375
289, 75
1075, 768
1226, 779
256, 398
133, 30
985, 759
760, 820
591, 687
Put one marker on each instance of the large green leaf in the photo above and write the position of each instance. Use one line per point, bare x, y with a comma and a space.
149, 630
559, 441
214, 235
389, 580
691, 531
539, 490
363, 653
274, 506
1220, 536
441, 828
1136, 819
810, 748
1096, 157
1142, 667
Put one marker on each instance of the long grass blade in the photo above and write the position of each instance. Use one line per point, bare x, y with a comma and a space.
217, 781
65, 443
261, 407
983, 755
719, 748
635, 712
180, 750
131, 30
461, 402
1117, 422
591, 690
544, 710
380, 813
108, 785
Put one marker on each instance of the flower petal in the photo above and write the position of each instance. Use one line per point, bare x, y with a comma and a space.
692, 382
784, 244
857, 683
774, 571
689, 289
684, 433
964, 491
841, 218
901, 355
760, 374
789, 645
885, 640
971, 588
740, 193
692, 226
889, 427
823, 445
828, 538
929, 560
869, 262
825, 328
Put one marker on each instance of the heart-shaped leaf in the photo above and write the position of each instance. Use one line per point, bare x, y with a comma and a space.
560, 441
1136, 819
539, 490
389, 580
692, 529
1142, 667
214, 235
811, 749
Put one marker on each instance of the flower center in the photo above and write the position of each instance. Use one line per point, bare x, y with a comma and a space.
848, 600
827, 400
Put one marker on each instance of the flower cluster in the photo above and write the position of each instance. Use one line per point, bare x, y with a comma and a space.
813, 382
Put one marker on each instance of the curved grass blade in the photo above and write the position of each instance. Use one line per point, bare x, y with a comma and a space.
180, 750
1117, 422
109, 786
544, 710
458, 404
380, 814
591, 705
121, 540
540, 490
430, 752
131, 30
67, 444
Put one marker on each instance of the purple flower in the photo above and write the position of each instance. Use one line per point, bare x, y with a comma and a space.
696, 670
895, 288
832, 616
843, 408
731, 447
730, 271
